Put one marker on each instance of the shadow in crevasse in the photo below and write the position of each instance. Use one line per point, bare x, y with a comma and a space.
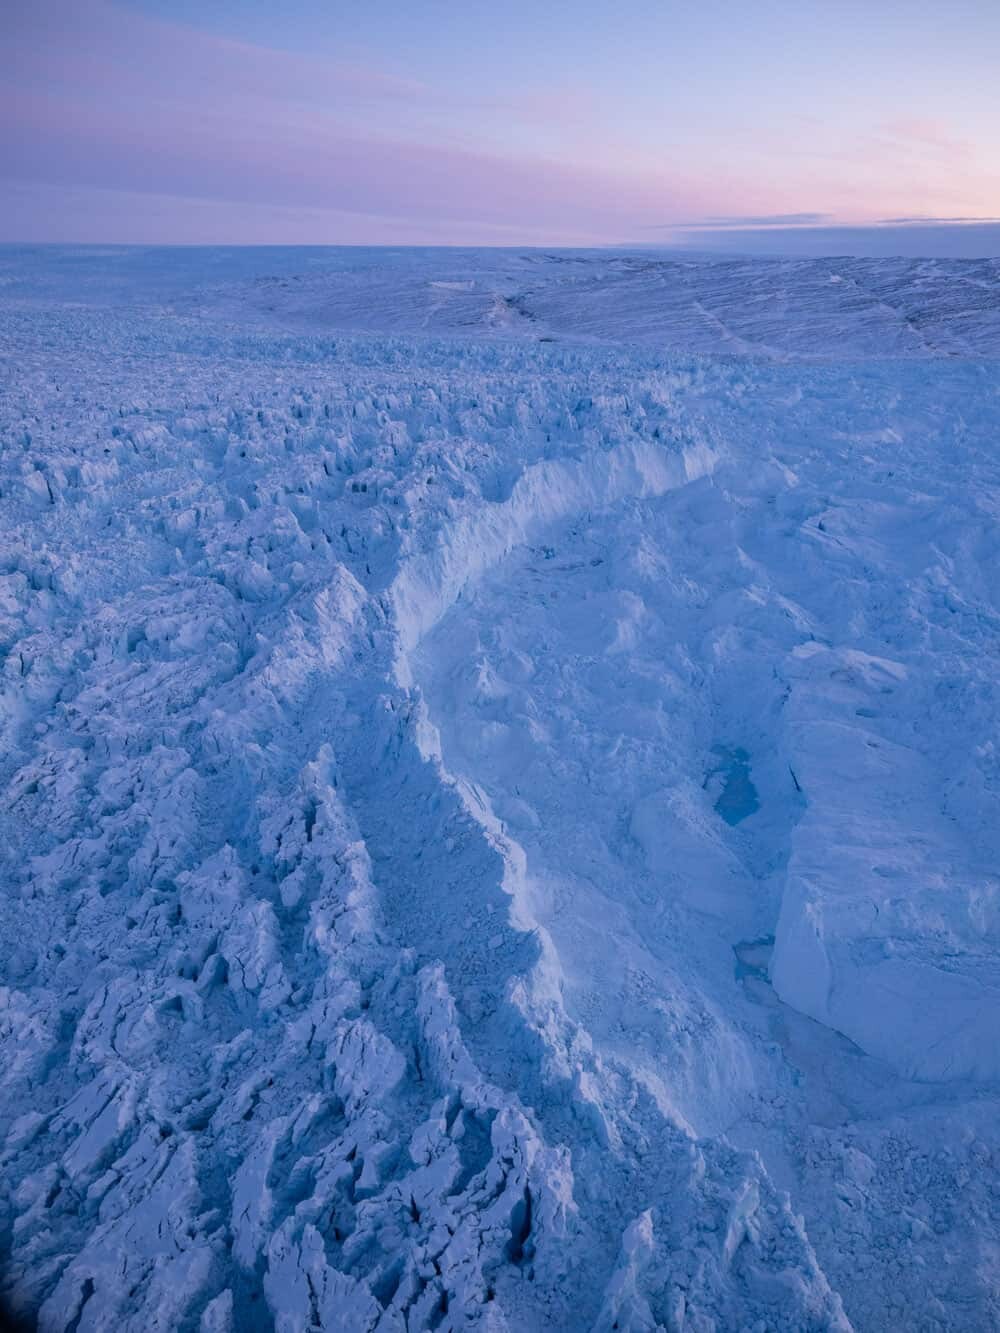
737, 796
12, 1323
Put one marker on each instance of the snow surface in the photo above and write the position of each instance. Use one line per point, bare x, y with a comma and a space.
500, 792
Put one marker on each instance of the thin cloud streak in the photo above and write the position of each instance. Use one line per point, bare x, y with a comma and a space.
925, 221
50, 214
767, 220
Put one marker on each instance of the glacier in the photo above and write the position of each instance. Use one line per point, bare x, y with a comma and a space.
499, 791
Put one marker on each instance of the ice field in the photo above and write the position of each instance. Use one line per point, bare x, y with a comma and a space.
499, 792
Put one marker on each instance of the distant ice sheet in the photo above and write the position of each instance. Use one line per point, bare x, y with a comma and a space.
774, 308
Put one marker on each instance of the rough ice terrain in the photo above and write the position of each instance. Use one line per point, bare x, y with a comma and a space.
499, 792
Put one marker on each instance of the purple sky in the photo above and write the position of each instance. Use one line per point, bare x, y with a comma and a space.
440, 123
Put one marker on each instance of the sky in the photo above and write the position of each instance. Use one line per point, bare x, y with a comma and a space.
720, 124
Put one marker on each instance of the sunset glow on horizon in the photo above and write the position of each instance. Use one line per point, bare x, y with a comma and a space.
439, 124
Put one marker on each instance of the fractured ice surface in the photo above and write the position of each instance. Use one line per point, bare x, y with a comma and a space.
496, 833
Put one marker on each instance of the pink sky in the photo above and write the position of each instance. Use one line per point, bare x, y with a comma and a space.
123, 123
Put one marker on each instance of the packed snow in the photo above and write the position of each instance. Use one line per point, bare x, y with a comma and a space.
500, 792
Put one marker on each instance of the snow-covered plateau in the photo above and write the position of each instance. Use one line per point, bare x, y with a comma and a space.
499, 792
